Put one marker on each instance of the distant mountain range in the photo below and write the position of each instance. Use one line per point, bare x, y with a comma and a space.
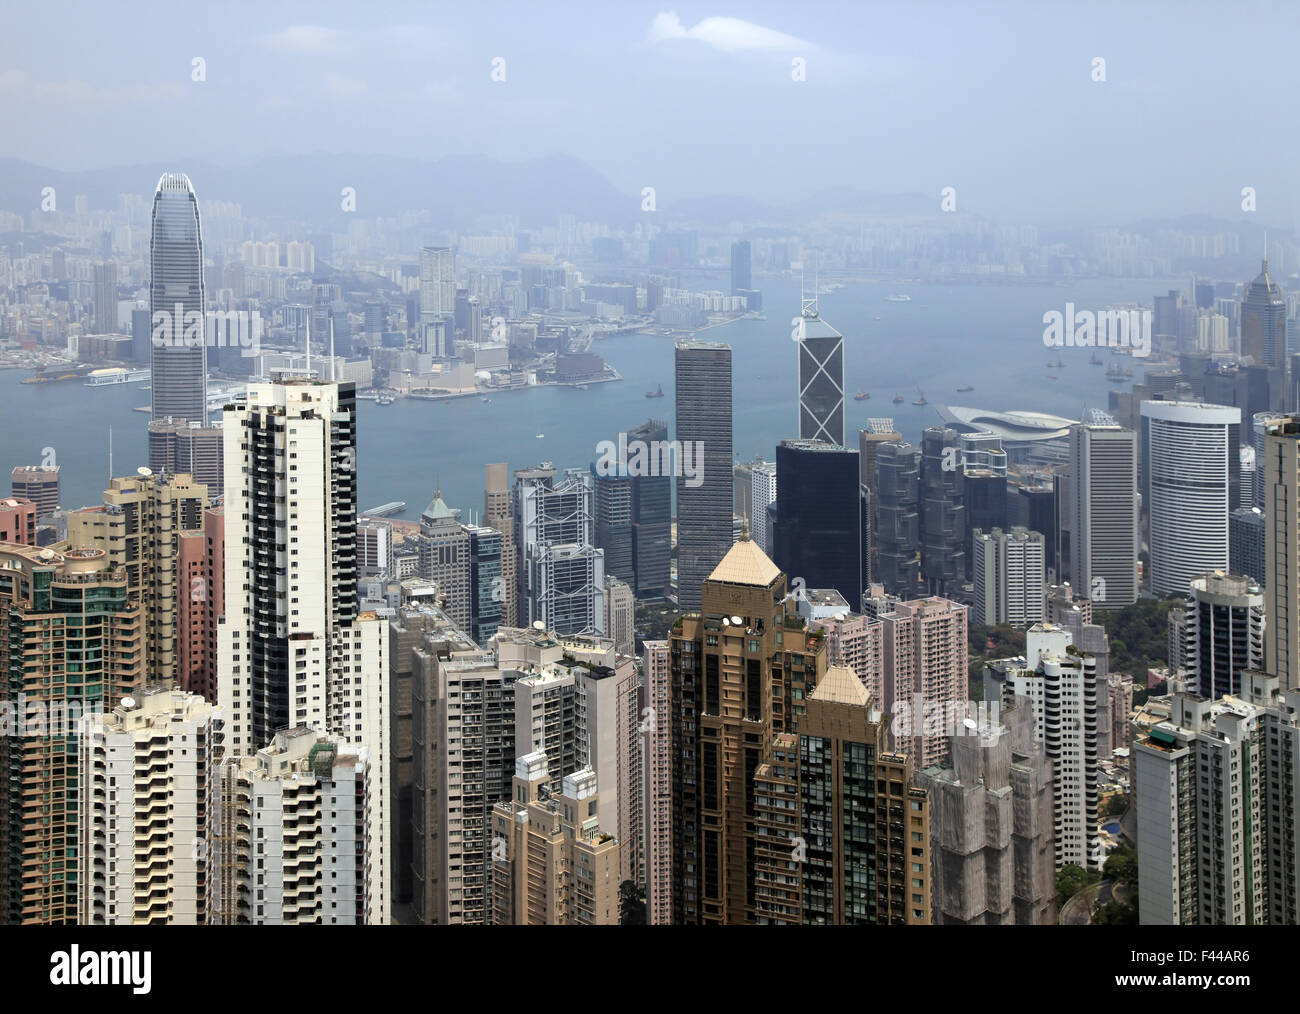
455, 190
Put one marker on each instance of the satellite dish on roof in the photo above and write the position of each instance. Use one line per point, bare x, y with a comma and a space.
726, 622
970, 723
46, 554
128, 703
538, 625
736, 621
142, 470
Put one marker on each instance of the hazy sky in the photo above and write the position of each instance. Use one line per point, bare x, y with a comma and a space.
995, 99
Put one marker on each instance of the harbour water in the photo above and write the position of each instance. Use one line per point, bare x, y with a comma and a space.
988, 336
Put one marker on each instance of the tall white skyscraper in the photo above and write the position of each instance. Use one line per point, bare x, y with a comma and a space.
1067, 698
1190, 456
437, 282
146, 768
1010, 577
294, 648
762, 478
1103, 514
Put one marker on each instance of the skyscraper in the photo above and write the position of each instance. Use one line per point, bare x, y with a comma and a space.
1223, 631
177, 307
561, 572
106, 297
820, 517
139, 526
1215, 808
1263, 324
834, 810
1281, 466
821, 377
704, 510
991, 818
652, 520
943, 511
164, 745
496, 514
1103, 514
74, 645
740, 274
294, 649
554, 866
657, 767
1190, 455
1067, 698
897, 531
742, 669
1010, 577
762, 494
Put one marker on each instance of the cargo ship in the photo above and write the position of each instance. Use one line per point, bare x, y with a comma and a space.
58, 374
385, 509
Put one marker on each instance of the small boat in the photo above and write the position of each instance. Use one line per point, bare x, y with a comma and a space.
540, 435
1053, 376
385, 399
964, 388
657, 393
875, 318
920, 398
483, 399
1059, 364
861, 396
899, 297
898, 399
581, 387
1095, 360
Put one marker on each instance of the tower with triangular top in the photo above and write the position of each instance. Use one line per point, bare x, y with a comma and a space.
821, 374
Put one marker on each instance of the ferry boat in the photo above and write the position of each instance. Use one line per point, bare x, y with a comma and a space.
862, 396
656, 393
963, 389
384, 399
899, 297
1095, 360
920, 398
385, 509
898, 399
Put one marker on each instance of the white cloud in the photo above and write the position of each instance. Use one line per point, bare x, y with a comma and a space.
303, 39
731, 35
18, 84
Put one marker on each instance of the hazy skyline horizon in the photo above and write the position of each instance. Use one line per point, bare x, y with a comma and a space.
988, 99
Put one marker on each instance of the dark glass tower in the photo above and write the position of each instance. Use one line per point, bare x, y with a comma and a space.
943, 511
897, 509
652, 520
740, 275
178, 346
820, 516
704, 504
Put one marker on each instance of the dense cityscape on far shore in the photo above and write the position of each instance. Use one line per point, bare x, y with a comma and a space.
479, 541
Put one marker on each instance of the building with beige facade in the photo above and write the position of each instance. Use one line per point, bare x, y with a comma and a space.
552, 864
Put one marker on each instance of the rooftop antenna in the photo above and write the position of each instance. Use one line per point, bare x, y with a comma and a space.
810, 305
